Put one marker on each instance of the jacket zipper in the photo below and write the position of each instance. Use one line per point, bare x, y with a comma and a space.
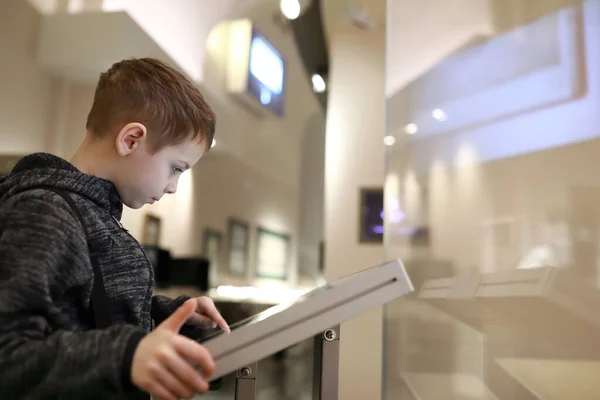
149, 296
119, 223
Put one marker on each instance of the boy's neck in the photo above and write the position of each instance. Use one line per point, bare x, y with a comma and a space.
92, 158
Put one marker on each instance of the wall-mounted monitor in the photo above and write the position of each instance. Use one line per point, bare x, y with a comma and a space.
371, 215
256, 71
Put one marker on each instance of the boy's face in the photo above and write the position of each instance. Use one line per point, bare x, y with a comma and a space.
145, 176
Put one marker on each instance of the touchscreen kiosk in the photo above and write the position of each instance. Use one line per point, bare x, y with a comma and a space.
284, 325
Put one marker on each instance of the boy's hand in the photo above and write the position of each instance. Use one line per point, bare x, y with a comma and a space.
160, 363
207, 313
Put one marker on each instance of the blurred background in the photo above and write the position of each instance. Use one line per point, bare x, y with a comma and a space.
460, 136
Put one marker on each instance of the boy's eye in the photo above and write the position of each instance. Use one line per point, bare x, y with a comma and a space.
177, 170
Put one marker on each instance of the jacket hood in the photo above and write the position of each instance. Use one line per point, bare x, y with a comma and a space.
42, 169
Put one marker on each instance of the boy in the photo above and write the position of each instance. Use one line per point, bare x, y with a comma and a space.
64, 335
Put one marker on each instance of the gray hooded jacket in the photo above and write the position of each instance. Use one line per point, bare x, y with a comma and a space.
48, 349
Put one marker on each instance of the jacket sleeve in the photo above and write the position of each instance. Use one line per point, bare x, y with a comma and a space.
42, 257
163, 307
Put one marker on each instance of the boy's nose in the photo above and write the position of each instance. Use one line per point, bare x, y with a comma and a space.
171, 188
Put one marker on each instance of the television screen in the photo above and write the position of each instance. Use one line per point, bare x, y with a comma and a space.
371, 215
266, 74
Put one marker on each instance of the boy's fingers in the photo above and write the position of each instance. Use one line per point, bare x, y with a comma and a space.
174, 385
186, 374
159, 391
220, 321
208, 308
200, 319
178, 318
196, 353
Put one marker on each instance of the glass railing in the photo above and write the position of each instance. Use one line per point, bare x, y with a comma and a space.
492, 199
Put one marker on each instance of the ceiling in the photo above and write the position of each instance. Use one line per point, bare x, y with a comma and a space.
419, 34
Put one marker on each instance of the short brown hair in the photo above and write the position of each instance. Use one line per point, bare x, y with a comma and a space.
150, 92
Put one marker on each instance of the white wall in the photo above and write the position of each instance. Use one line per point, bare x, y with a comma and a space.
353, 159
25, 90
312, 196
179, 27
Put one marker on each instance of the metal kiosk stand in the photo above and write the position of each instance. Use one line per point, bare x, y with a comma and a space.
316, 314
325, 367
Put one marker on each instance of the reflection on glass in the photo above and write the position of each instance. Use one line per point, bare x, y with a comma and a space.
495, 170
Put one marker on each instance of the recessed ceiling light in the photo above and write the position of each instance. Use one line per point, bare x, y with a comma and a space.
318, 83
290, 8
439, 114
389, 140
411, 128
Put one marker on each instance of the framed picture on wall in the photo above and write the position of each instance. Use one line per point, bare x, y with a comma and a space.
211, 250
370, 215
272, 254
151, 232
238, 232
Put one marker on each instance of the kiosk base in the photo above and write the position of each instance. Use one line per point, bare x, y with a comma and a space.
326, 368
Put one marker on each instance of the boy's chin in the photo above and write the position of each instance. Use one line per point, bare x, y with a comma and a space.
135, 205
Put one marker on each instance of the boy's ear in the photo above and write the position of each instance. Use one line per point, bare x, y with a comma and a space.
130, 137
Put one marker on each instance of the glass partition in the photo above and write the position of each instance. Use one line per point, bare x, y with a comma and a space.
492, 199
